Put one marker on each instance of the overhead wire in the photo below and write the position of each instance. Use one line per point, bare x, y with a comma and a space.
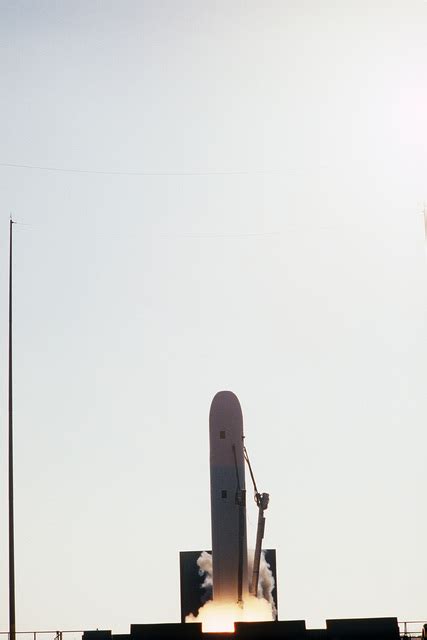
207, 172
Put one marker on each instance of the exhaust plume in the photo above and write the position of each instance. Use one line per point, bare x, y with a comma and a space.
217, 616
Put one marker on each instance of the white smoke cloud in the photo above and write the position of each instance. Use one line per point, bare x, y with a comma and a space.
204, 562
266, 581
217, 616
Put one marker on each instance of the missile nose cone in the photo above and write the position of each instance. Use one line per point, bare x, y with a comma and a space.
226, 405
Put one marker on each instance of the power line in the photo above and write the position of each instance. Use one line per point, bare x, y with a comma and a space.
220, 236
140, 173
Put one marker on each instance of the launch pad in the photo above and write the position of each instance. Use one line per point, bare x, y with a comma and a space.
350, 629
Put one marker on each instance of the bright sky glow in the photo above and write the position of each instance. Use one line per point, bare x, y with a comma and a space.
298, 280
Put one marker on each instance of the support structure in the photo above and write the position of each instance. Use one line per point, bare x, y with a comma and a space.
12, 625
262, 500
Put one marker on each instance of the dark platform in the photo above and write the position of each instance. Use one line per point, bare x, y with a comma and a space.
352, 629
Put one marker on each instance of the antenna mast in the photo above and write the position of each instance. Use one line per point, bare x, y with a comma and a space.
12, 627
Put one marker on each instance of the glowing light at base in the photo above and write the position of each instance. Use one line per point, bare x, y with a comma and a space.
219, 617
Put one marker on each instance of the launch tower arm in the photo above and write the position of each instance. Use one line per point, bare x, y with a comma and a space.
262, 500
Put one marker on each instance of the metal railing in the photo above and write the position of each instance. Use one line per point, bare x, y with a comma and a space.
411, 628
45, 635
408, 629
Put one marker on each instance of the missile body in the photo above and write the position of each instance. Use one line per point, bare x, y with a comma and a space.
228, 499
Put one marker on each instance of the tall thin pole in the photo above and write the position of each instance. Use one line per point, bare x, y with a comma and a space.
425, 221
12, 627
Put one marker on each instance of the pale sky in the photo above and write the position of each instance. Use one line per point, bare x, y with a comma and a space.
278, 251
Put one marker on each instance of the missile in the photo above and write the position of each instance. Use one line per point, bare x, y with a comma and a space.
228, 499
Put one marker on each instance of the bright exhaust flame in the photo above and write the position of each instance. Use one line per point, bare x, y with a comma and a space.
219, 617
